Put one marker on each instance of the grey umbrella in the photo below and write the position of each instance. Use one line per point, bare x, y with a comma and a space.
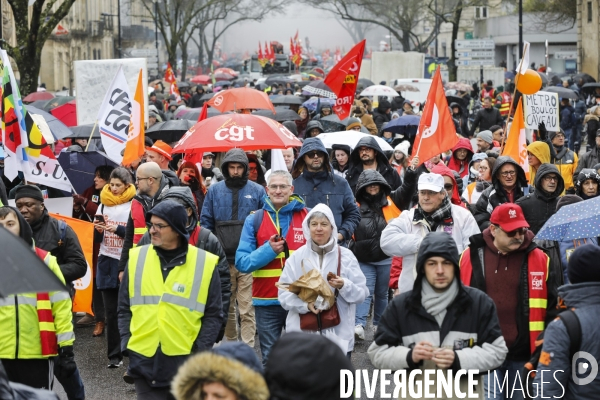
22, 270
563, 93
57, 127
83, 132
282, 114
287, 99
170, 131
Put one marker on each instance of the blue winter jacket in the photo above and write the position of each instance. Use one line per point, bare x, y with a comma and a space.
251, 255
555, 369
327, 188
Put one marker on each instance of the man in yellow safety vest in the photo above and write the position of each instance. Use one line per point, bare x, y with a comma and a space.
169, 302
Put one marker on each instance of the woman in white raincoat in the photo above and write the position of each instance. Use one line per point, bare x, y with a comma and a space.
321, 252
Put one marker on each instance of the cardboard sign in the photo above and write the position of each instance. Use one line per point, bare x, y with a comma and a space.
542, 107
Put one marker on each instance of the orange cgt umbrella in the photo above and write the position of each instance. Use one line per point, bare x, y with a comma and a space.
224, 70
240, 99
201, 79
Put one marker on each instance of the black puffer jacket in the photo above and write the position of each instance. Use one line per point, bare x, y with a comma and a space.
48, 235
495, 195
541, 205
383, 165
486, 118
380, 117
366, 246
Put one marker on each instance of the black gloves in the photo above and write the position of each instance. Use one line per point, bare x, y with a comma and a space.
542, 132
65, 366
194, 183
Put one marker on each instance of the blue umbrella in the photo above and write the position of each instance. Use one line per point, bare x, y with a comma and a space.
80, 167
575, 221
406, 125
311, 104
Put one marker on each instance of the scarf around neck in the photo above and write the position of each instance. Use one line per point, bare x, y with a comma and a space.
435, 218
109, 199
436, 303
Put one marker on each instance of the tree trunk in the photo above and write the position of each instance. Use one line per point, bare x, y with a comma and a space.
28, 72
172, 53
406, 41
184, 60
201, 48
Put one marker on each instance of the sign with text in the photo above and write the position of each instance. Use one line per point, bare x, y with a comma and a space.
542, 107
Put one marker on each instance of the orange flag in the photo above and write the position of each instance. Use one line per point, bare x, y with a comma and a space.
437, 132
516, 142
83, 286
135, 146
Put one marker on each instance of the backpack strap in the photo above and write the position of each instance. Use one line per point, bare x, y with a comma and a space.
573, 326
203, 238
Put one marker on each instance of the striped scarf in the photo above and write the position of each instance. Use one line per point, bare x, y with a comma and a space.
48, 338
434, 219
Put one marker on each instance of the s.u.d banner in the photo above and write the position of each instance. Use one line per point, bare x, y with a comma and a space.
83, 286
343, 78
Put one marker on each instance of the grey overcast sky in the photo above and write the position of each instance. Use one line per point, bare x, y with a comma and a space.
319, 26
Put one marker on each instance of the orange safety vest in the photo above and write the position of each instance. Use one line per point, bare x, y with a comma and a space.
390, 211
505, 104
538, 264
138, 215
265, 278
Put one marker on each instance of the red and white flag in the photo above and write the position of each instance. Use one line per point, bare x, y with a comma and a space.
169, 74
437, 132
343, 78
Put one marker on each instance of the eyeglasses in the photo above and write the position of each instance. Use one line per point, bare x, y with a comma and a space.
508, 173
448, 186
278, 187
313, 154
157, 227
141, 179
520, 231
551, 178
364, 150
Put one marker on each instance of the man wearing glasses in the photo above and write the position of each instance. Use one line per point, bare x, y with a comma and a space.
505, 263
509, 184
269, 236
368, 155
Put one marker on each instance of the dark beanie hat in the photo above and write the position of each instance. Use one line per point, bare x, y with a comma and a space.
344, 147
241, 352
566, 200
552, 135
30, 191
583, 264
174, 214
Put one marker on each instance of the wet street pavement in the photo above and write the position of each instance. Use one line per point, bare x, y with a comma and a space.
102, 383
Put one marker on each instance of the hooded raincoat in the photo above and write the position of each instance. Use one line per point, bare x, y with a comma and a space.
388, 172
462, 167
308, 257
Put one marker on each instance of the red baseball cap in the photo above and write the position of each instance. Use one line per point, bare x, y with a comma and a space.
161, 148
509, 217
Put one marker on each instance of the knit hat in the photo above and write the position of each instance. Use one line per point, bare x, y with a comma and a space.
29, 191
403, 146
552, 135
174, 214
241, 352
344, 147
486, 136
161, 148
566, 200
583, 264
352, 123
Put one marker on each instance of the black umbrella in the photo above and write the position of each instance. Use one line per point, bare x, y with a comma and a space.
286, 99
80, 167
563, 92
585, 77
365, 82
282, 114
278, 80
57, 102
22, 270
194, 113
170, 131
83, 132
332, 123
455, 99
183, 84
590, 87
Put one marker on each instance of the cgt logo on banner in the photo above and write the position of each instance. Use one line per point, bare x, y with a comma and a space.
114, 117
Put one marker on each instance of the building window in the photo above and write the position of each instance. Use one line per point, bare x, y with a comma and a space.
99, 55
94, 52
589, 11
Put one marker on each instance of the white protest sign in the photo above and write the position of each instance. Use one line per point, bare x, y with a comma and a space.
542, 107
93, 78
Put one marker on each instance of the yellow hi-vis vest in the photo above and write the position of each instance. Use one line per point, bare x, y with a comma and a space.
167, 313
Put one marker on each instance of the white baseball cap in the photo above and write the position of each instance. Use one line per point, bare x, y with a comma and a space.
429, 181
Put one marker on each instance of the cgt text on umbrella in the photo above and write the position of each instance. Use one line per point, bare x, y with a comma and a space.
235, 133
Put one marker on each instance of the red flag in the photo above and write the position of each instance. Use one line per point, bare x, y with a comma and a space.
292, 50
296, 37
169, 75
204, 113
436, 132
343, 77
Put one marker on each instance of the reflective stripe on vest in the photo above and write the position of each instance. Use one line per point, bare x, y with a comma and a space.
538, 264
504, 104
138, 215
264, 279
167, 313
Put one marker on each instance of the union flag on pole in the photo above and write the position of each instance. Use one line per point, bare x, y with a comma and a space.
516, 142
135, 146
437, 132
169, 74
343, 78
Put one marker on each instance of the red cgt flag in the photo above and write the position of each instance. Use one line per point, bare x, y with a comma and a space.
436, 130
169, 75
343, 78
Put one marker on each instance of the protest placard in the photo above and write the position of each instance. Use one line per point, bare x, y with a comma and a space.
542, 107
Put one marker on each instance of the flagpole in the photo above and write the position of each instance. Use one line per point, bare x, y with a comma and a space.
91, 134
512, 100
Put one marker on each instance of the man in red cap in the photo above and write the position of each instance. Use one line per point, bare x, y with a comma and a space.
160, 153
504, 262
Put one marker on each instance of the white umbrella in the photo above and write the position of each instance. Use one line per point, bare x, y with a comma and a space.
379, 90
350, 138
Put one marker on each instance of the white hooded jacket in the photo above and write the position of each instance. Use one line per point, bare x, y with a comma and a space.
353, 292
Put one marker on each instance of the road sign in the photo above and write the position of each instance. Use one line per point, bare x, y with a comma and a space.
151, 65
475, 44
141, 52
479, 53
486, 62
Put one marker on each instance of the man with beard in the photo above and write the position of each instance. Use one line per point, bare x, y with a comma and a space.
487, 117
226, 206
505, 263
368, 155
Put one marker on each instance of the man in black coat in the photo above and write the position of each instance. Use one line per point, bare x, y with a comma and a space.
196, 100
487, 117
368, 155
541, 204
382, 114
